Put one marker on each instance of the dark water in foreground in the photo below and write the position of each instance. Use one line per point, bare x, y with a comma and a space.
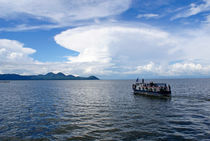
103, 110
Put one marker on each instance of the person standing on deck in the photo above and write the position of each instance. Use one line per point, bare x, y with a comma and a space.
137, 80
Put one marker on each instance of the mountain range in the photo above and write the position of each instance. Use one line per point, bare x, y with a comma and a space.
48, 76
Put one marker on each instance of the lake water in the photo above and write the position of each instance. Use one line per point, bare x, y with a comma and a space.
103, 110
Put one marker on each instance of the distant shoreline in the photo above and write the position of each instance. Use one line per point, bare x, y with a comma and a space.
48, 76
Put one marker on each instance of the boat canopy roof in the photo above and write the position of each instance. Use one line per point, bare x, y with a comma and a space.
155, 84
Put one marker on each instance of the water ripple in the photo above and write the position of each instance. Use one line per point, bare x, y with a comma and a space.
103, 110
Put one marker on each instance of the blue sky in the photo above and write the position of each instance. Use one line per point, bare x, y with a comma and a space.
109, 39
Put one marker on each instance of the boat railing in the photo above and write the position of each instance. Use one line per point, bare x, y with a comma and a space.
155, 87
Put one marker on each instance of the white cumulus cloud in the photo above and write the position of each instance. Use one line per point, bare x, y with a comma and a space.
12, 51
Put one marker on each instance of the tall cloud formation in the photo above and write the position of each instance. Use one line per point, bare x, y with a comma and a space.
116, 44
134, 50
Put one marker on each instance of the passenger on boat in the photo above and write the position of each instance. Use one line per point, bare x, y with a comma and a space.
152, 84
137, 80
169, 87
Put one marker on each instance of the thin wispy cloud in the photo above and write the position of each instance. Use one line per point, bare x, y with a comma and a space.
193, 9
148, 16
58, 12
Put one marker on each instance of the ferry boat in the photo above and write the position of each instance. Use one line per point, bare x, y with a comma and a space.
152, 89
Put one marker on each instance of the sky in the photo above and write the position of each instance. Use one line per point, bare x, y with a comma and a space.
111, 39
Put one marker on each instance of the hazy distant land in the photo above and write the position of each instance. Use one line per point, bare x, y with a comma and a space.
48, 76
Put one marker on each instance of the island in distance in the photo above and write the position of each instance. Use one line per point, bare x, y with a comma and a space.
48, 76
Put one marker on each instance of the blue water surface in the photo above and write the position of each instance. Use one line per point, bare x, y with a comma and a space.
103, 110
